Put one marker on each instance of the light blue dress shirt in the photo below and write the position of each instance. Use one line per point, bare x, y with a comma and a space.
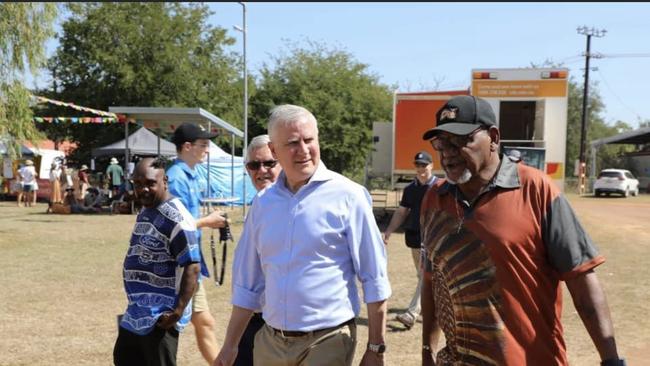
299, 254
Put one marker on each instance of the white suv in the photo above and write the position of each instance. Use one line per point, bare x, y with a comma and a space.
616, 181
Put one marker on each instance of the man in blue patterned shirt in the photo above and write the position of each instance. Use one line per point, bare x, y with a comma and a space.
161, 272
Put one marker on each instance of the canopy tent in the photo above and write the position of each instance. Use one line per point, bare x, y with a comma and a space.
43, 159
141, 142
639, 136
227, 176
218, 155
165, 120
24, 150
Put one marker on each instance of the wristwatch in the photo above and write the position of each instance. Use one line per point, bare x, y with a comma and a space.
613, 362
377, 348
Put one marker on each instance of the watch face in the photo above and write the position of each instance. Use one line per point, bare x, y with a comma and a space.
382, 348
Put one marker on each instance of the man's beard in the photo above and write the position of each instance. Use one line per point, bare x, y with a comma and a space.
464, 178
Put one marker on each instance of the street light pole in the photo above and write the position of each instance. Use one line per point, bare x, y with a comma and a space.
243, 30
585, 97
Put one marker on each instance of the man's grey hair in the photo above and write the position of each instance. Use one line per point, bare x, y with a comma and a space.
287, 114
257, 142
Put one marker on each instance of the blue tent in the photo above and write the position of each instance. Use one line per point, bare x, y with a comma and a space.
223, 167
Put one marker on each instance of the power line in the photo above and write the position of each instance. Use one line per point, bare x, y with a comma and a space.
620, 55
611, 90
571, 59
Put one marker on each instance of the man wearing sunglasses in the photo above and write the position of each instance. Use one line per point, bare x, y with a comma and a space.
263, 170
306, 240
499, 237
408, 213
260, 163
192, 146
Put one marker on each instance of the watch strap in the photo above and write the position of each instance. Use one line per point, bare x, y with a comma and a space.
377, 348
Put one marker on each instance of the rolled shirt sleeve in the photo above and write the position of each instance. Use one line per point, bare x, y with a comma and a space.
247, 275
367, 248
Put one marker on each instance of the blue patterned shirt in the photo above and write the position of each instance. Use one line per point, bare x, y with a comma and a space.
163, 241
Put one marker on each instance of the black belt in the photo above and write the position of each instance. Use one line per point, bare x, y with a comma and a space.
297, 333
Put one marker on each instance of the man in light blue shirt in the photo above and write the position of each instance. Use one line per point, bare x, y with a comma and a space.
305, 240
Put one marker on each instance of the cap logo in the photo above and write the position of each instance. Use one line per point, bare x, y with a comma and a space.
448, 113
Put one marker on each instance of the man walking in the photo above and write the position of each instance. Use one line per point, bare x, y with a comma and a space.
192, 146
161, 271
114, 176
408, 213
305, 240
263, 169
499, 237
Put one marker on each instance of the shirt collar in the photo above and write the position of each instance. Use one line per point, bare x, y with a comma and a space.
186, 168
427, 183
507, 177
321, 174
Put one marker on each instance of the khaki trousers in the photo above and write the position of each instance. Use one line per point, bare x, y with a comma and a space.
414, 306
319, 348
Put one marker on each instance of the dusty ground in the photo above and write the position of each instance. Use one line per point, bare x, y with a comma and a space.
63, 286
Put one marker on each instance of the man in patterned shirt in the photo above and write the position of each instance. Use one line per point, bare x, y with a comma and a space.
499, 237
161, 272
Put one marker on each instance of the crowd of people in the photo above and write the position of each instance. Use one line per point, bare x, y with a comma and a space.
73, 191
491, 243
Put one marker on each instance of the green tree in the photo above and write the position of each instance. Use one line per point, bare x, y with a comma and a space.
597, 128
143, 54
340, 91
24, 29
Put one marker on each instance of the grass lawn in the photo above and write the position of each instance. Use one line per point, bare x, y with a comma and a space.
64, 286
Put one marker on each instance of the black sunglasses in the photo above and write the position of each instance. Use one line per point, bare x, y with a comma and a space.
255, 165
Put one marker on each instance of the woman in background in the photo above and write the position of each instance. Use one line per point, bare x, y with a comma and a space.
84, 183
55, 184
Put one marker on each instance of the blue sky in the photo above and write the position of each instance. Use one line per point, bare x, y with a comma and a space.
418, 46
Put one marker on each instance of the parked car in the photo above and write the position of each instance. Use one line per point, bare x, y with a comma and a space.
617, 181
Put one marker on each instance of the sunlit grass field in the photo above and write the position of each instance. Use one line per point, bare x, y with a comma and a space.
63, 286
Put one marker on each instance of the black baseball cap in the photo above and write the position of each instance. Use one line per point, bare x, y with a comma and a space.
423, 157
461, 115
189, 132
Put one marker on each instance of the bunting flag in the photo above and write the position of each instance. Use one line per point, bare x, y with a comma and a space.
74, 120
76, 107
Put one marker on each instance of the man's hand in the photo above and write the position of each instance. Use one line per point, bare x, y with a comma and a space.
214, 220
427, 358
386, 237
239, 319
168, 319
399, 216
226, 357
371, 358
